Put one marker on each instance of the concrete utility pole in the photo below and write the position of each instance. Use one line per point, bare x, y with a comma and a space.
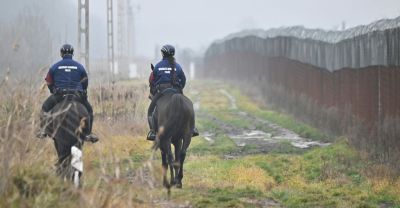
133, 9
130, 32
83, 32
122, 41
122, 38
110, 38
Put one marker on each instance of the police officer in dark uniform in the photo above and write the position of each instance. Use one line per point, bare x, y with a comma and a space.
66, 77
166, 74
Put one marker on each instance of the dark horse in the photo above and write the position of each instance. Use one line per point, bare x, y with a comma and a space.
175, 117
67, 124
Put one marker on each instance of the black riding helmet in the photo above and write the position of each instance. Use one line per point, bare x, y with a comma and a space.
168, 50
66, 49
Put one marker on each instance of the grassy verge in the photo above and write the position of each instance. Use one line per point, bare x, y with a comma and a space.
334, 176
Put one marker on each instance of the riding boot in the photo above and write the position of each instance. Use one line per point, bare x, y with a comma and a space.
90, 123
91, 137
151, 136
41, 133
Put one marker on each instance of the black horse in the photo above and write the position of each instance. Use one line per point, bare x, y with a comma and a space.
67, 123
175, 117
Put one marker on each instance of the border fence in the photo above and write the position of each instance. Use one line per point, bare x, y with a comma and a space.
355, 69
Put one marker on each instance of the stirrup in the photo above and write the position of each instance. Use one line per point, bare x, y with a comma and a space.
151, 136
41, 135
195, 132
92, 138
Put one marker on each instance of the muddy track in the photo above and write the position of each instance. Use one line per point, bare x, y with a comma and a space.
261, 135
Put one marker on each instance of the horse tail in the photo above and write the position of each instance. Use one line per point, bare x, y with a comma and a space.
156, 144
82, 126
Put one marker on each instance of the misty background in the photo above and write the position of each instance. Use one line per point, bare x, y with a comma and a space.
36, 29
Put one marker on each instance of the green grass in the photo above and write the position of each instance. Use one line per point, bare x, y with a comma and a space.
207, 125
333, 176
285, 147
289, 122
284, 120
217, 197
230, 117
327, 177
221, 145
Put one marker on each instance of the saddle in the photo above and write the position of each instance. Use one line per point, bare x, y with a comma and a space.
169, 90
72, 97
161, 93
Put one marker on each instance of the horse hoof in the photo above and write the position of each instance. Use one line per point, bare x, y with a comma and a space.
179, 185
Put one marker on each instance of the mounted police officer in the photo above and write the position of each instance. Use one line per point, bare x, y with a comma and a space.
167, 74
66, 77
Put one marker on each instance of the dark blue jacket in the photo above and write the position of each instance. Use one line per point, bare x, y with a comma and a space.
67, 74
162, 74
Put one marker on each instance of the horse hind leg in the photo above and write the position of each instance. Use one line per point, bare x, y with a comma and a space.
166, 149
182, 156
166, 184
179, 174
170, 158
177, 162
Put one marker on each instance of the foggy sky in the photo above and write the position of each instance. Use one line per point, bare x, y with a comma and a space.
196, 23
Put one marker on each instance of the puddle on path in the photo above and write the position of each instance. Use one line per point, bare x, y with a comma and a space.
279, 134
244, 137
208, 136
257, 137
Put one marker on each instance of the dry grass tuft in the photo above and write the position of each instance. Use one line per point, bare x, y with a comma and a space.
250, 176
118, 172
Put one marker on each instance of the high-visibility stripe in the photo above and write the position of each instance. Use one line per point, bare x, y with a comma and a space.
67, 67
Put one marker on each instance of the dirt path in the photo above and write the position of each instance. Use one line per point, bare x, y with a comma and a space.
264, 140
231, 99
277, 134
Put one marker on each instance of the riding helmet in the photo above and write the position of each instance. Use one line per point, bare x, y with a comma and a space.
168, 50
67, 49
